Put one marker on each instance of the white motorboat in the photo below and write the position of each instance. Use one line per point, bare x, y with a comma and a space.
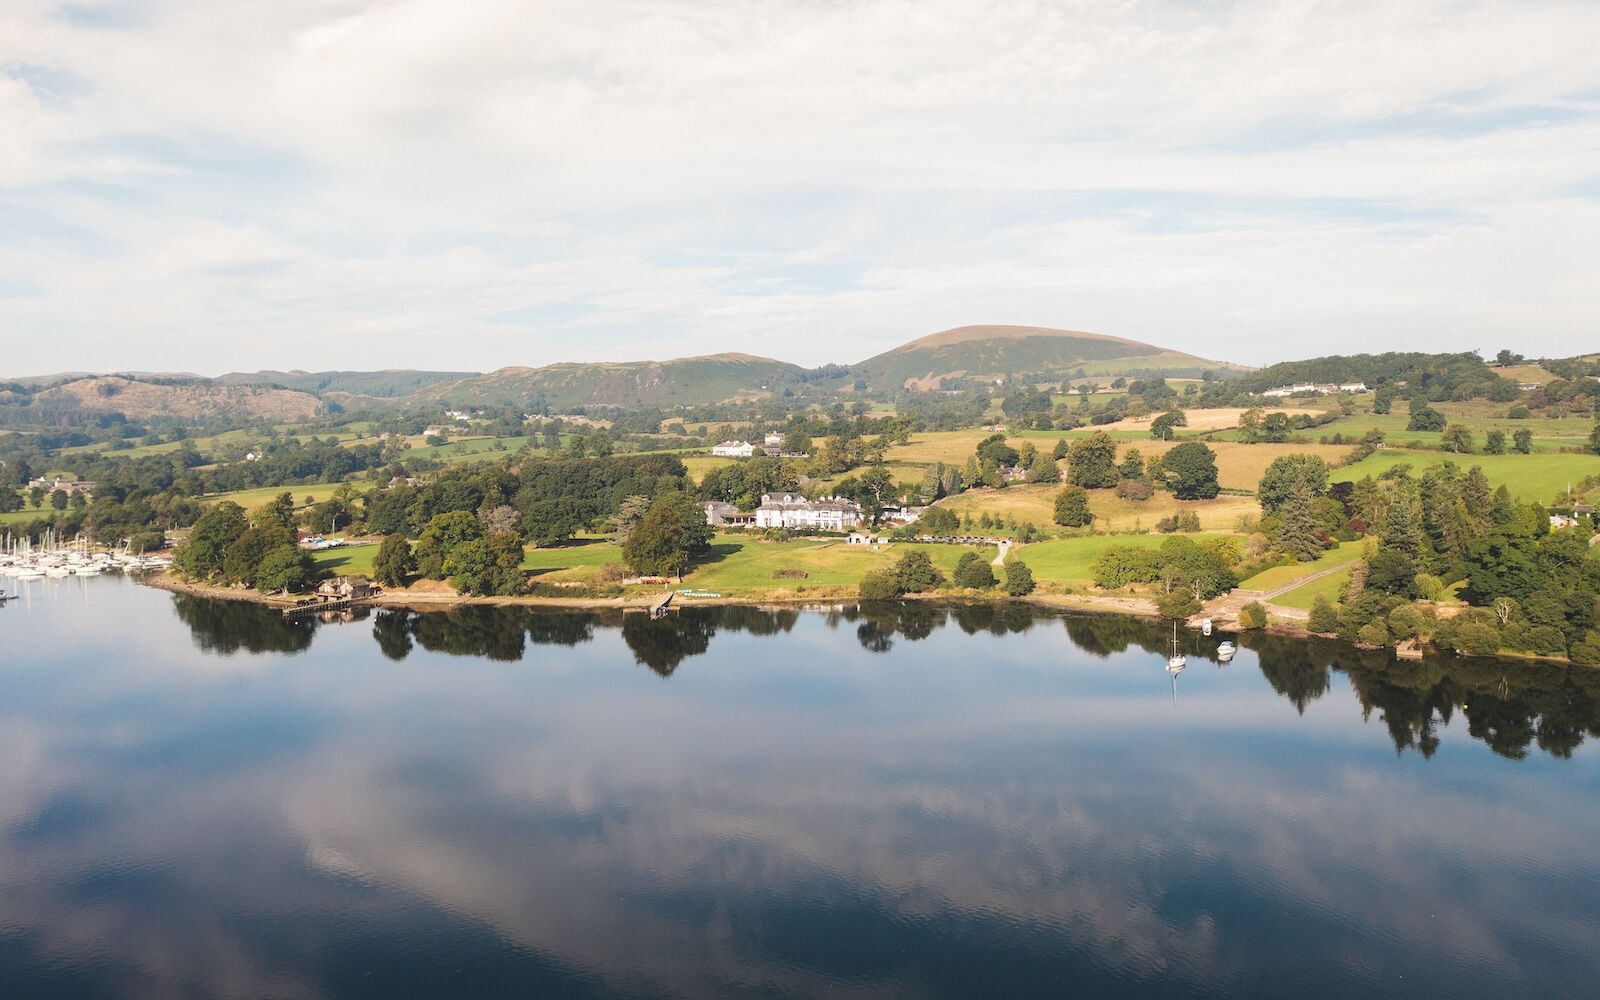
1225, 650
1205, 626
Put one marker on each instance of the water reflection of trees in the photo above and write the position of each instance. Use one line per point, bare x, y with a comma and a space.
1511, 706
663, 643
228, 626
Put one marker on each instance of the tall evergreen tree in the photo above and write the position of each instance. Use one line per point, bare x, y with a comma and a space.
1298, 535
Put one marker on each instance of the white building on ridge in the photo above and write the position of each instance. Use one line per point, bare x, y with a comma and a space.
734, 449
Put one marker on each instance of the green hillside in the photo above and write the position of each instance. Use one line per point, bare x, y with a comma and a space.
379, 384
679, 382
987, 352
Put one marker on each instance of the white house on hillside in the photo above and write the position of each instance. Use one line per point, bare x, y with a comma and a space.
791, 510
734, 449
773, 441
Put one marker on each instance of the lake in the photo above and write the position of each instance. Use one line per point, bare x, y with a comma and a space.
201, 799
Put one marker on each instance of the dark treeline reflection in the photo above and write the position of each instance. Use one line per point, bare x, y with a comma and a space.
1511, 706
230, 626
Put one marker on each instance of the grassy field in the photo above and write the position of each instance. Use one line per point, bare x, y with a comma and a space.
744, 563
27, 514
349, 560
699, 465
1112, 513
1279, 576
1239, 466
249, 499
1068, 559
469, 449
579, 559
1530, 477
1331, 586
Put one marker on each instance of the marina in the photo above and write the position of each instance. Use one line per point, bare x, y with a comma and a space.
53, 558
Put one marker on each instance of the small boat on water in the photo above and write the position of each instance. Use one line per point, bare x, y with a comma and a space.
1205, 626
1225, 650
1177, 661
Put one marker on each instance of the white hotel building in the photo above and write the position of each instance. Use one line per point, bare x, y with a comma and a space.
791, 510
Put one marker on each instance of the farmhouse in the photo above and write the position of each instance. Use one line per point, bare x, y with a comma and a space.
773, 441
734, 449
66, 486
345, 588
791, 510
720, 514
1315, 388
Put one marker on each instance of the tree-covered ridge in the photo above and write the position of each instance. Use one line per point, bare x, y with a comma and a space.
1434, 376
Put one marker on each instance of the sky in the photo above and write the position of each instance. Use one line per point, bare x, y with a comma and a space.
468, 184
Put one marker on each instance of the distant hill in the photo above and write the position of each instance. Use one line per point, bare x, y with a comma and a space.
187, 399
679, 382
386, 384
988, 352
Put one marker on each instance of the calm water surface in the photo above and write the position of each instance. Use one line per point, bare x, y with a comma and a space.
197, 799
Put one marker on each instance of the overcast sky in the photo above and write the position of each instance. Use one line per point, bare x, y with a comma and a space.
241, 184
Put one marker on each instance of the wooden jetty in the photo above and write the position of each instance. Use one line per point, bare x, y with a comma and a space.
335, 595
661, 605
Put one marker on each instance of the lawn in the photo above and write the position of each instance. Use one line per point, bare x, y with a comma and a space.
579, 559
28, 514
1279, 576
1069, 559
1538, 477
741, 563
347, 560
1330, 586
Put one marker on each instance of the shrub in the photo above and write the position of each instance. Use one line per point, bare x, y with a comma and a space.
1587, 650
1019, 578
1430, 587
613, 572
879, 585
1405, 622
1476, 639
1177, 604
1137, 490
1323, 617
1373, 634
1253, 616
1545, 640
1183, 520
973, 571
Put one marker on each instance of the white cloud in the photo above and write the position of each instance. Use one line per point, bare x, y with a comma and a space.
421, 182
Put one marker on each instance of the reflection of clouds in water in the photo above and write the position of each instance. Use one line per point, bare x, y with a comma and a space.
958, 797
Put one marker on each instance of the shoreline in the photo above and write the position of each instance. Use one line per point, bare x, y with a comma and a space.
425, 601
1224, 619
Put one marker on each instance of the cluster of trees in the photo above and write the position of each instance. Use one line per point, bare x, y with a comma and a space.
1184, 571
915, 573
1188, 470
1260, 426
256, 551
1531, 589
